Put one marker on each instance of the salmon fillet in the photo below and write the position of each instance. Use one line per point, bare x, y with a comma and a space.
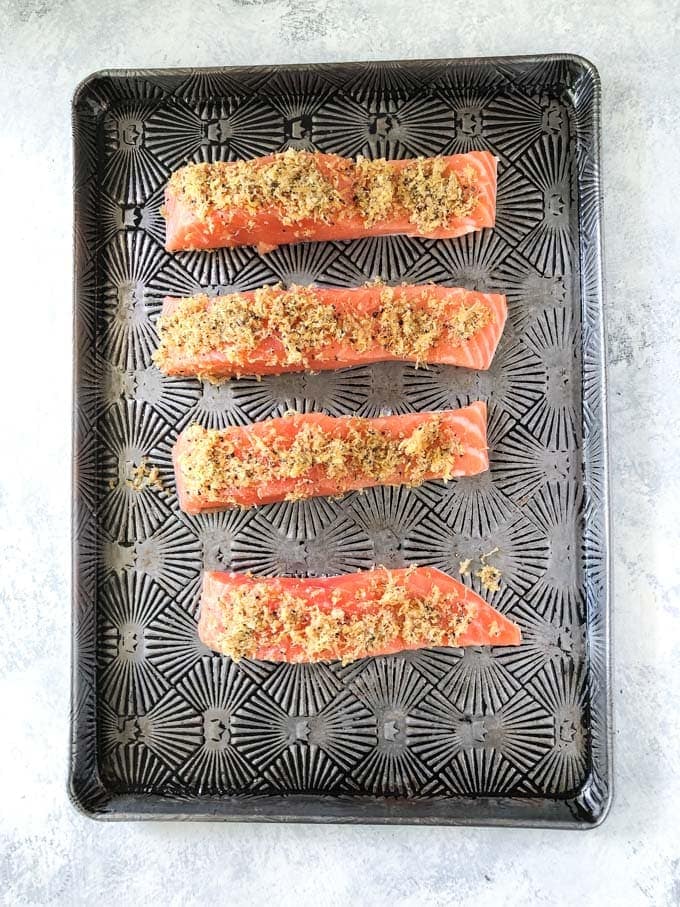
298, 196
306, 455
377, 612
274, 330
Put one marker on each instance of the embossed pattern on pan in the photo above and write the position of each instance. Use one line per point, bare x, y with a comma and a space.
163, 728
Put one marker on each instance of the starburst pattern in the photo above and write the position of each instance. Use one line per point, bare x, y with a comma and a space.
595, 566
475, 505
213, 406
216, 533
171, 729
303, 264
454, 77
129, 681
378, 80
390, 258
519, 205
116, 216
468, 106
131, 169
552, 418
475, 771
169, 556
471, 260
85, 468
387, 514
128, 433
303, 769
86, 232
432, 664
523, 465
129, 307
545, 640
335, 393
267, 549
515, 382
384, 127
563, 767
521, 557
302, 689
593, 374
224, 129
590, 184
203, 83
550, 243
311, 82
154, 711
219, 272
171, 398
84, 150
344, 728
85, 785
86, 303
233, 128
436, 731
557, 512
530, 293
85, 631
521, 730
151, 744
136, 768
514, 123
390, 688
386, 390
172, 642
101, 93
550, 73
304, 521
479, 682
215, 688
262, 730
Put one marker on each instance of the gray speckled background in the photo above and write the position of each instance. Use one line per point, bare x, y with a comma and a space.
49, 853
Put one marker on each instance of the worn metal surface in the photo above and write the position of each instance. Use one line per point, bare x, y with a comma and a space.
162, 726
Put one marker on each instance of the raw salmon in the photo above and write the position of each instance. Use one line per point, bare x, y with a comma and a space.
274, 330
378, 612
298, 196
307, 455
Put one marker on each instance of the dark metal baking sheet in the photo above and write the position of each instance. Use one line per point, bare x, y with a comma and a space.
162, 728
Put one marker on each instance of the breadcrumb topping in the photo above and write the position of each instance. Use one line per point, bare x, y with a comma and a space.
374, 189
213, 467
144, 476
433, 195
234, 325
388, 614
489, 577
300, 189
290, 181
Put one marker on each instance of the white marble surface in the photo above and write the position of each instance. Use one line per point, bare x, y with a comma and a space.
49, 853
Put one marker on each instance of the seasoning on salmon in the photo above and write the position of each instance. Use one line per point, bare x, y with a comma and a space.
274, 330
347, 617
306, 455
297, 196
